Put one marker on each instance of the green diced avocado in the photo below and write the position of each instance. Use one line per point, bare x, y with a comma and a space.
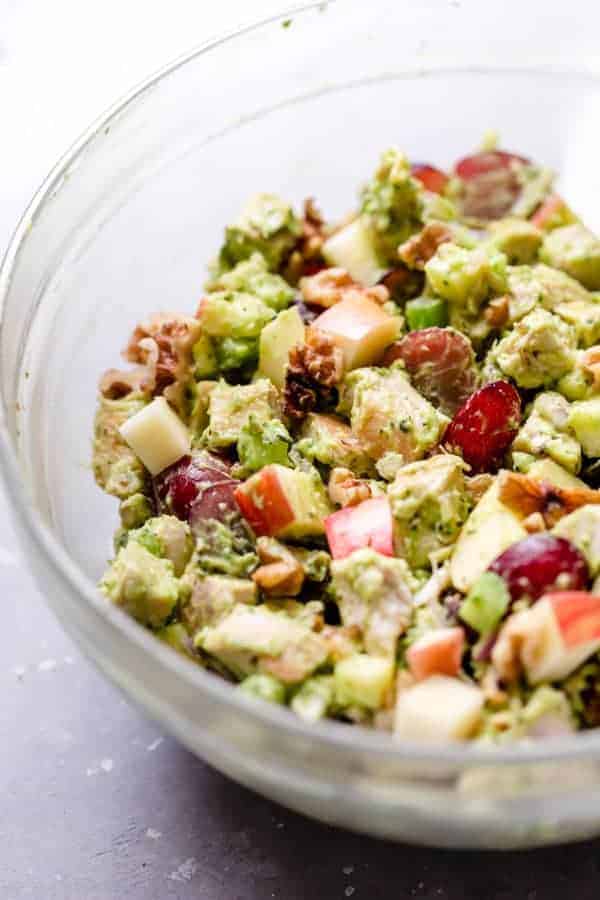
429, 503
233, 314
539, 350
142, 584
388, 415
392, 204
267, 226
576, 384
584, 422
223, 549
363, 681
314, 698
466, 278
330, 441
236, 353
518, 239
584, 316
486, 603
437, 208
582, 528
546, 432
117, 469
209, 598
575, 250
167, 537
260, 444
265, 687
204, 358
232, 406
252, 276
374, 594
426, 312
134, 511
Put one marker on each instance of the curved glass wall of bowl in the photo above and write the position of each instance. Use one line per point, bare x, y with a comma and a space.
126, 226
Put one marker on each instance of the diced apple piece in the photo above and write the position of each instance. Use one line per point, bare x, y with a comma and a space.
276, 340
438, 709
553, 213
437, 653
283, 502
352, 249
547, 470
489, 530
362, 680
360, 328
369, 524
156, 435
555, 636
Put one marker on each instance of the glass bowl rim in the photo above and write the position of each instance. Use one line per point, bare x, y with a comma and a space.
329, 734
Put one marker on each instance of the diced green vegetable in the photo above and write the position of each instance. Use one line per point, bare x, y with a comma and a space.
486, 603
426, 312
260, 444
265, 687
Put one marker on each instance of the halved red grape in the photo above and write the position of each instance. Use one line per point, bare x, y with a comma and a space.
490, 183
486, 161
431, 178
198, 486
441, 364
485, 426
541, 563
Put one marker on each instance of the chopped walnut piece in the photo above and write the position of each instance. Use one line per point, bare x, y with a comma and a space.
477, 485
345, 489
116, 383
307, 253
506, 654
330, 286
281, 574
590, 360
162, 348
492, 691
313, 369
419, 248
526, 496
534, 523
497, 312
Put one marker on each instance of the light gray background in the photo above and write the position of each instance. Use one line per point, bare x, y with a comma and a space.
97, 803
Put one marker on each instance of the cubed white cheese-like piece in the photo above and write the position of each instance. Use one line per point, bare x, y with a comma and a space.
156, 435
360, 328
352, 249
438, 709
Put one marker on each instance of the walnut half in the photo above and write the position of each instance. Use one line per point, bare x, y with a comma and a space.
345, 489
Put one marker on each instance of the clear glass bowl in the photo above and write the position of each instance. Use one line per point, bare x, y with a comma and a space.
125, 224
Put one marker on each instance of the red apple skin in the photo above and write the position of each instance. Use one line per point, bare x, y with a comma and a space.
544, 213
441, 656
274, 511
369, 524
577, 614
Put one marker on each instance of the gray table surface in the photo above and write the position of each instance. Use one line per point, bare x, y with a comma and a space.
98, 803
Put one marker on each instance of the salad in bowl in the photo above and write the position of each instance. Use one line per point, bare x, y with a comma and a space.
361, 477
